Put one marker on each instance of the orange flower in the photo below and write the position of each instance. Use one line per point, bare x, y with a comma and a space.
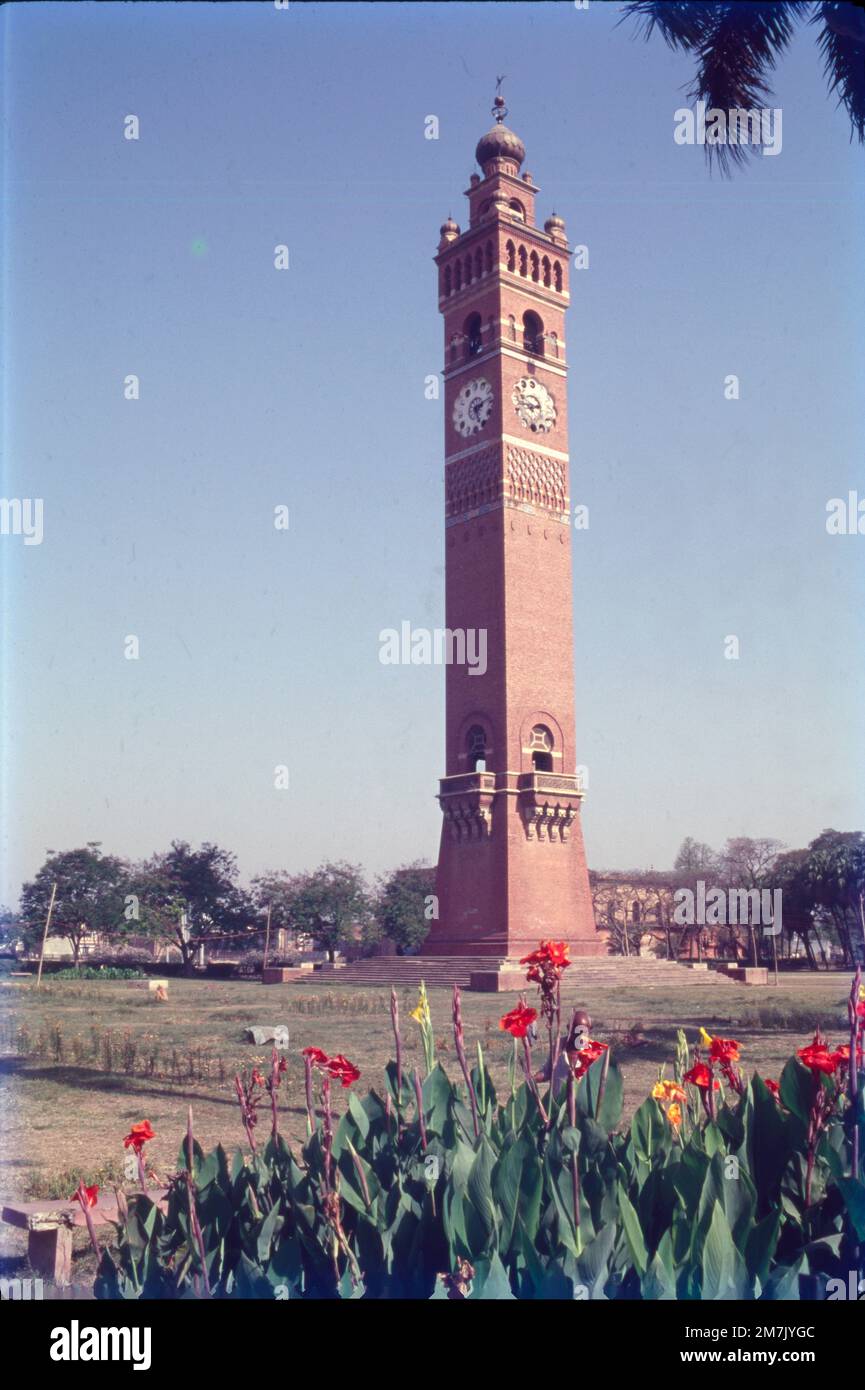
674, 1114
667, 1090
518, 1021
138, 1136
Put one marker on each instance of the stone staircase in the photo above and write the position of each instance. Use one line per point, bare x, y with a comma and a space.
445, 971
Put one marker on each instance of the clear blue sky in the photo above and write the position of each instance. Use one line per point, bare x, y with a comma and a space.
306, 388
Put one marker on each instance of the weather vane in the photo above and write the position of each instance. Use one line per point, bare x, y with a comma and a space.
499, 108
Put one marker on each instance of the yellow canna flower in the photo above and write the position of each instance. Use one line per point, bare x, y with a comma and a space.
667, 1090
705, 1038
421, 1014
674, 1115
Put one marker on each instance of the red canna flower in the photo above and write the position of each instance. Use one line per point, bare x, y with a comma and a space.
138, 1136
582, 1060
316, 1056
283, 1064
817, 1057
518, 1021
90, 1194
700, 1075
341, 1069
842, 1053
724, 1050
549, 953
772, 1086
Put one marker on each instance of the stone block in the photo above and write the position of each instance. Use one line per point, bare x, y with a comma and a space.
497, 981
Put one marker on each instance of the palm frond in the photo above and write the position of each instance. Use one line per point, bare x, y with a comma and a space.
842, 42
681, 23
735, 58
736, 43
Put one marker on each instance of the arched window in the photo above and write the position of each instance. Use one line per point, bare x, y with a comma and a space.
524, 261
473, 334
545, 263
554, 344
454, 348
512, 324
479, 263
533, 334
467, 270
488, 257
476, 749
636, 911
511, 253
536, 266
541, 748
448, 279
517, 209
458, 275
557, 276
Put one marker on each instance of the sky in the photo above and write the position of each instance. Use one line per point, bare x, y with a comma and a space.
258, 648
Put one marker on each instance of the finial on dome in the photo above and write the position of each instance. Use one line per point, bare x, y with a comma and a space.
499, 109
499, 143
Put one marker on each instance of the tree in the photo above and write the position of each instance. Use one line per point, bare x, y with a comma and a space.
275, 892
695, 862
89, 898
791, 874
190, 896
694, 857
330, 904
10, 928
836, 870
737, 43
404, 903
747, 863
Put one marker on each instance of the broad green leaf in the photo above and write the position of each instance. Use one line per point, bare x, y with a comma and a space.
633, 1232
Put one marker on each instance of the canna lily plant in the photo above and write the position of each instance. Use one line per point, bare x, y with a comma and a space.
720, 1187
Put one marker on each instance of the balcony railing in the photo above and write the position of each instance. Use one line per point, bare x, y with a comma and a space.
550, 782
467, 782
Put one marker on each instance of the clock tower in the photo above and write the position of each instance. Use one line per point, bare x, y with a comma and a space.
512, 867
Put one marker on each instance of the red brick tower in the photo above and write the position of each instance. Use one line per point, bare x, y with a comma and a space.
512, 867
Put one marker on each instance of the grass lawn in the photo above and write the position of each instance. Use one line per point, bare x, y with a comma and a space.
82, 1060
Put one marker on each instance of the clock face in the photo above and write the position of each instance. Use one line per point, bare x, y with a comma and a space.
534, 404
473, 407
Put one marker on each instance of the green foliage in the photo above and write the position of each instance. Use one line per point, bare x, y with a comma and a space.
186, 896
402, 907
328, 904
89, 896
391, 1208
98, 972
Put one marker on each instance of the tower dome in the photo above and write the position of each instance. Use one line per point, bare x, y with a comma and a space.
500, 142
